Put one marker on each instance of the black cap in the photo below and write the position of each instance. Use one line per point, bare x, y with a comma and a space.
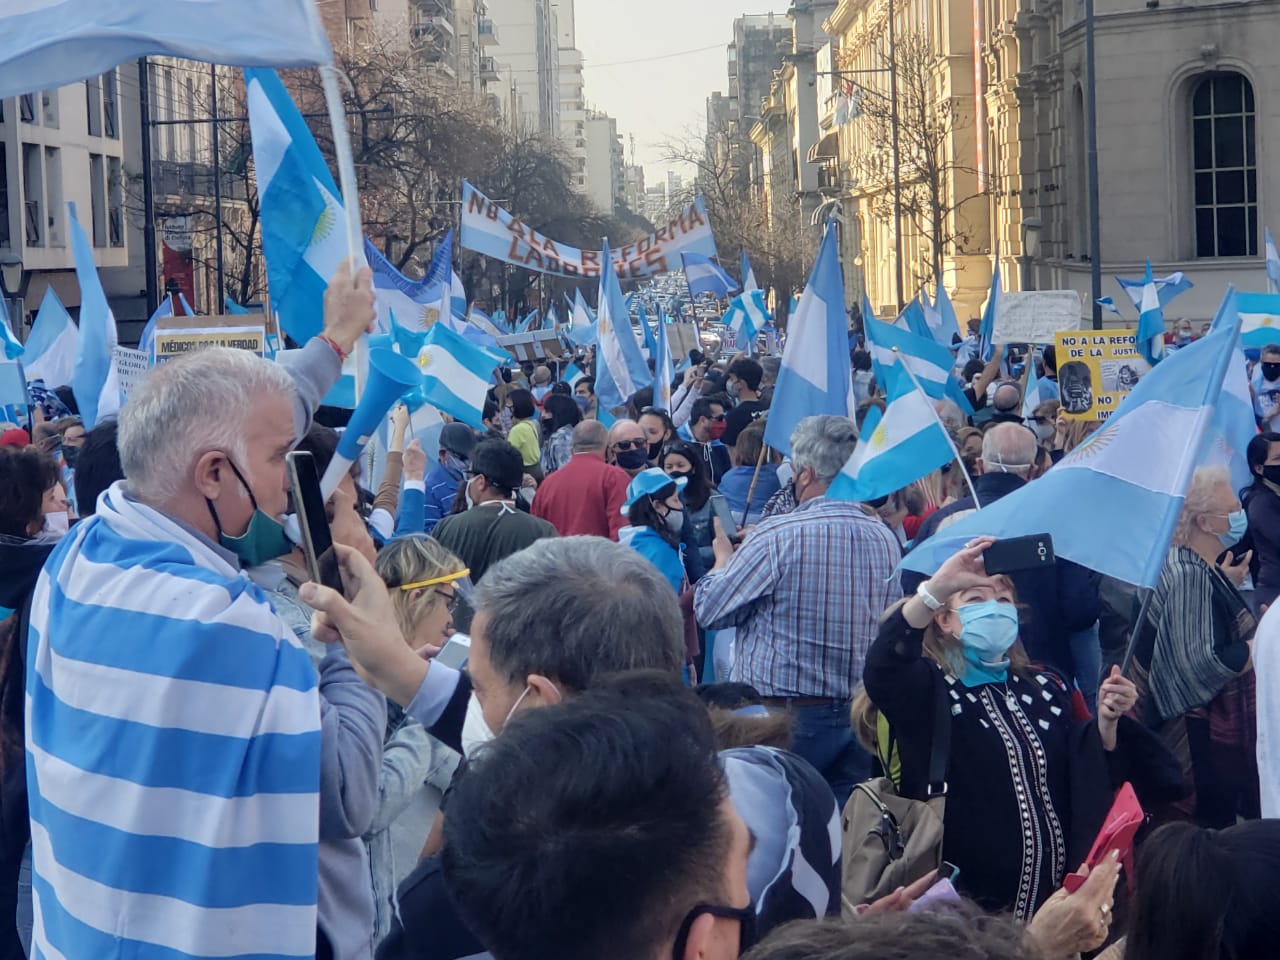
498, 462
458, 439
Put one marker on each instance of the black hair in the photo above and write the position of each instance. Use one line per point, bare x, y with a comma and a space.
972, 369
639, 400
1206, 893
668, 427
25, 475
748, 371
590, 384
702, 408
564, 412
729, 696
1256, 454
322, 443
333, 417
523, 406
1050, 356
643, 513
861, 360
97, 465
698, 490
561, 389
620, 782
491, 409
68, 398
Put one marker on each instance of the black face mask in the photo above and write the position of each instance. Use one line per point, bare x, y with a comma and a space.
632, 459
654, 450
1271, 371
69, 455
1271, 472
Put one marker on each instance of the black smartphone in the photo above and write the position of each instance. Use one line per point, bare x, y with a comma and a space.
720, 508
317, 541
1019, 553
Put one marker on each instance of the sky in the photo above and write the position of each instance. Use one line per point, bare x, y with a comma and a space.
659, 99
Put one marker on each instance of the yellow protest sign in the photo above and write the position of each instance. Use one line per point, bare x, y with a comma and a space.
1096, 368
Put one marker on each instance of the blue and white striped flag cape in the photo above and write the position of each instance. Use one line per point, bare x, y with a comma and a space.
95, 382
455, 374
704, 275
620, 367
814, 376
1273, 265
895, 449
48, 43
147, 341
302, 214
173, 786
1133, 474
53, 344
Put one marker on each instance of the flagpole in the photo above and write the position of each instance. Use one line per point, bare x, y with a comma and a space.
945, 432
751, 491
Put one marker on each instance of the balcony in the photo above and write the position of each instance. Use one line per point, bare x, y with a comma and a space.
488, 33
489, 70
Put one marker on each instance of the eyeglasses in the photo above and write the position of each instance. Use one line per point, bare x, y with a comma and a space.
746, 917
452, 599
447, 578
717, 417
631, 445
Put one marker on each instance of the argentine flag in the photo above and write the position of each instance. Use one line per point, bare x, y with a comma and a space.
572, 374
147, 342
455, 375
1259, 318
1166, 287
302, 215
620, 367
95, 383
748, 275
1233, 420
52, 347
987, 329
13, 349
663, 367
814, 377
1150, 336
15, 402
942, 319
48, 43
704, 275
747, 315
895, 449
1273, 265
414, 304
929, 360
1132, 475
233, 308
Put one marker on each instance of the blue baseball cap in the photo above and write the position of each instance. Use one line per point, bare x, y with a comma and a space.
649, 482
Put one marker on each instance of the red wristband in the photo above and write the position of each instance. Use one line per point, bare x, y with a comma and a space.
342, 354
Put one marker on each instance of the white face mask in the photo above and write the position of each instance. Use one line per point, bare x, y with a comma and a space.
475, 730
674, 521
1044, 431
57, 523
467, 494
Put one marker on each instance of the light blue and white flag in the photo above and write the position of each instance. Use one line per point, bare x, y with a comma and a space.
478, 318
987, 329
1234, 424
1273, 265
895, 449
415, 304
441, 267
929, 360
46, 44
1150, 336
551, 320
1259, 318
583, 316
1031, 394
814, 377
1133, 474
234, 309
1167, 288
455, 375
746, 317
147, 342
748, 275
620, 367
913, 320
13, 348
704, 275
457, 295
54, 342
14, 398
947, 329
572, 374
529, 318
94, 383
1109, 305
663, 367
302, 215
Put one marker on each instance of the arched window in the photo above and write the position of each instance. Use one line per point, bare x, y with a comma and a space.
1226, 175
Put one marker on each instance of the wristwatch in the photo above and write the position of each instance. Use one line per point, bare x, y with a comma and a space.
927, 598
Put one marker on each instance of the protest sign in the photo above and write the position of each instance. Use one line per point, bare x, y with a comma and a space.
533, 346
494, 232
1095, 371
178, 335
1035, 316
131, 366
683, 337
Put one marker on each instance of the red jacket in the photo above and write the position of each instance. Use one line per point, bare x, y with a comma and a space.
584, 497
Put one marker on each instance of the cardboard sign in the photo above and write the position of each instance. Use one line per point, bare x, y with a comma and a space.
533, 346
494, 232
1096, 369
1035, 316
131, 366
178, 335
683, 337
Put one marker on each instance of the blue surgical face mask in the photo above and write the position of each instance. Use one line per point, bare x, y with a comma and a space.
987, 631
1235, 533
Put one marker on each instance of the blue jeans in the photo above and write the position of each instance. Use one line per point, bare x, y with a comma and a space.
823, 735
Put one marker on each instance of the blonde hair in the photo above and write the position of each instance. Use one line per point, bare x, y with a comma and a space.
409, 560
944, 650
1200, 495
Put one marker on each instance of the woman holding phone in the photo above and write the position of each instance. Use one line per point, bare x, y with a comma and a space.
1030, 776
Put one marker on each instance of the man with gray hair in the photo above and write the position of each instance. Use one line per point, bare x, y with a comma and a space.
598, 608
805, 592
180, 750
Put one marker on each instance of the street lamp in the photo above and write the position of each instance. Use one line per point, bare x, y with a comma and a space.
11, 272
1031, 227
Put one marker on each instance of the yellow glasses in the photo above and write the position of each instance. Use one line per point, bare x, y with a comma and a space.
447, 578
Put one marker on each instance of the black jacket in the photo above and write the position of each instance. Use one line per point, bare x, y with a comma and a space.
1059, 602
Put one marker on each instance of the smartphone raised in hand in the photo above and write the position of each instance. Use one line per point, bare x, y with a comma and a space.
317, 540
1019, 553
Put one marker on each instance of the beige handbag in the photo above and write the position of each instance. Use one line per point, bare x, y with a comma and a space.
890, 841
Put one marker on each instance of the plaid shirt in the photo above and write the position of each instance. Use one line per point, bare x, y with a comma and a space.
806, 592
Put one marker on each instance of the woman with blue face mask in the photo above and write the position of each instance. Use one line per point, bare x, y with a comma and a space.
1193, 658
1030, 775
